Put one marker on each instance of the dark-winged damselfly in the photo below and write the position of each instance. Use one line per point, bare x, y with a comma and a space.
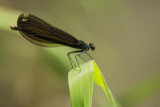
43, 34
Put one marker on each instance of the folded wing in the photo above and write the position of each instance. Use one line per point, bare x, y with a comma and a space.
41, 33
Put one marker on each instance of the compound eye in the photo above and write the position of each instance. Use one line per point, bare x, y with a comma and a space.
92, 47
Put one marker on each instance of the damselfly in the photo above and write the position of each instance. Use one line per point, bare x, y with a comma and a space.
43, 34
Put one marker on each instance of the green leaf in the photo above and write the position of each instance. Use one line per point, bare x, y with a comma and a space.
99, 79
81, 85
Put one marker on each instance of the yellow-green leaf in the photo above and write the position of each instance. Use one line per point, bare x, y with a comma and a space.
81, 85
99, 79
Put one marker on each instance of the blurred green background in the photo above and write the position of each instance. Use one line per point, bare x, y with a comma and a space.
126, 34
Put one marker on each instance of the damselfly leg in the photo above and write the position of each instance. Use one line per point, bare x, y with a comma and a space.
78, 55
70, 59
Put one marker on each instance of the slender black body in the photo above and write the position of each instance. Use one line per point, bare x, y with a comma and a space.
43, 34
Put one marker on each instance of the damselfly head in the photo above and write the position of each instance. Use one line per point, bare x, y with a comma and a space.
92, 46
